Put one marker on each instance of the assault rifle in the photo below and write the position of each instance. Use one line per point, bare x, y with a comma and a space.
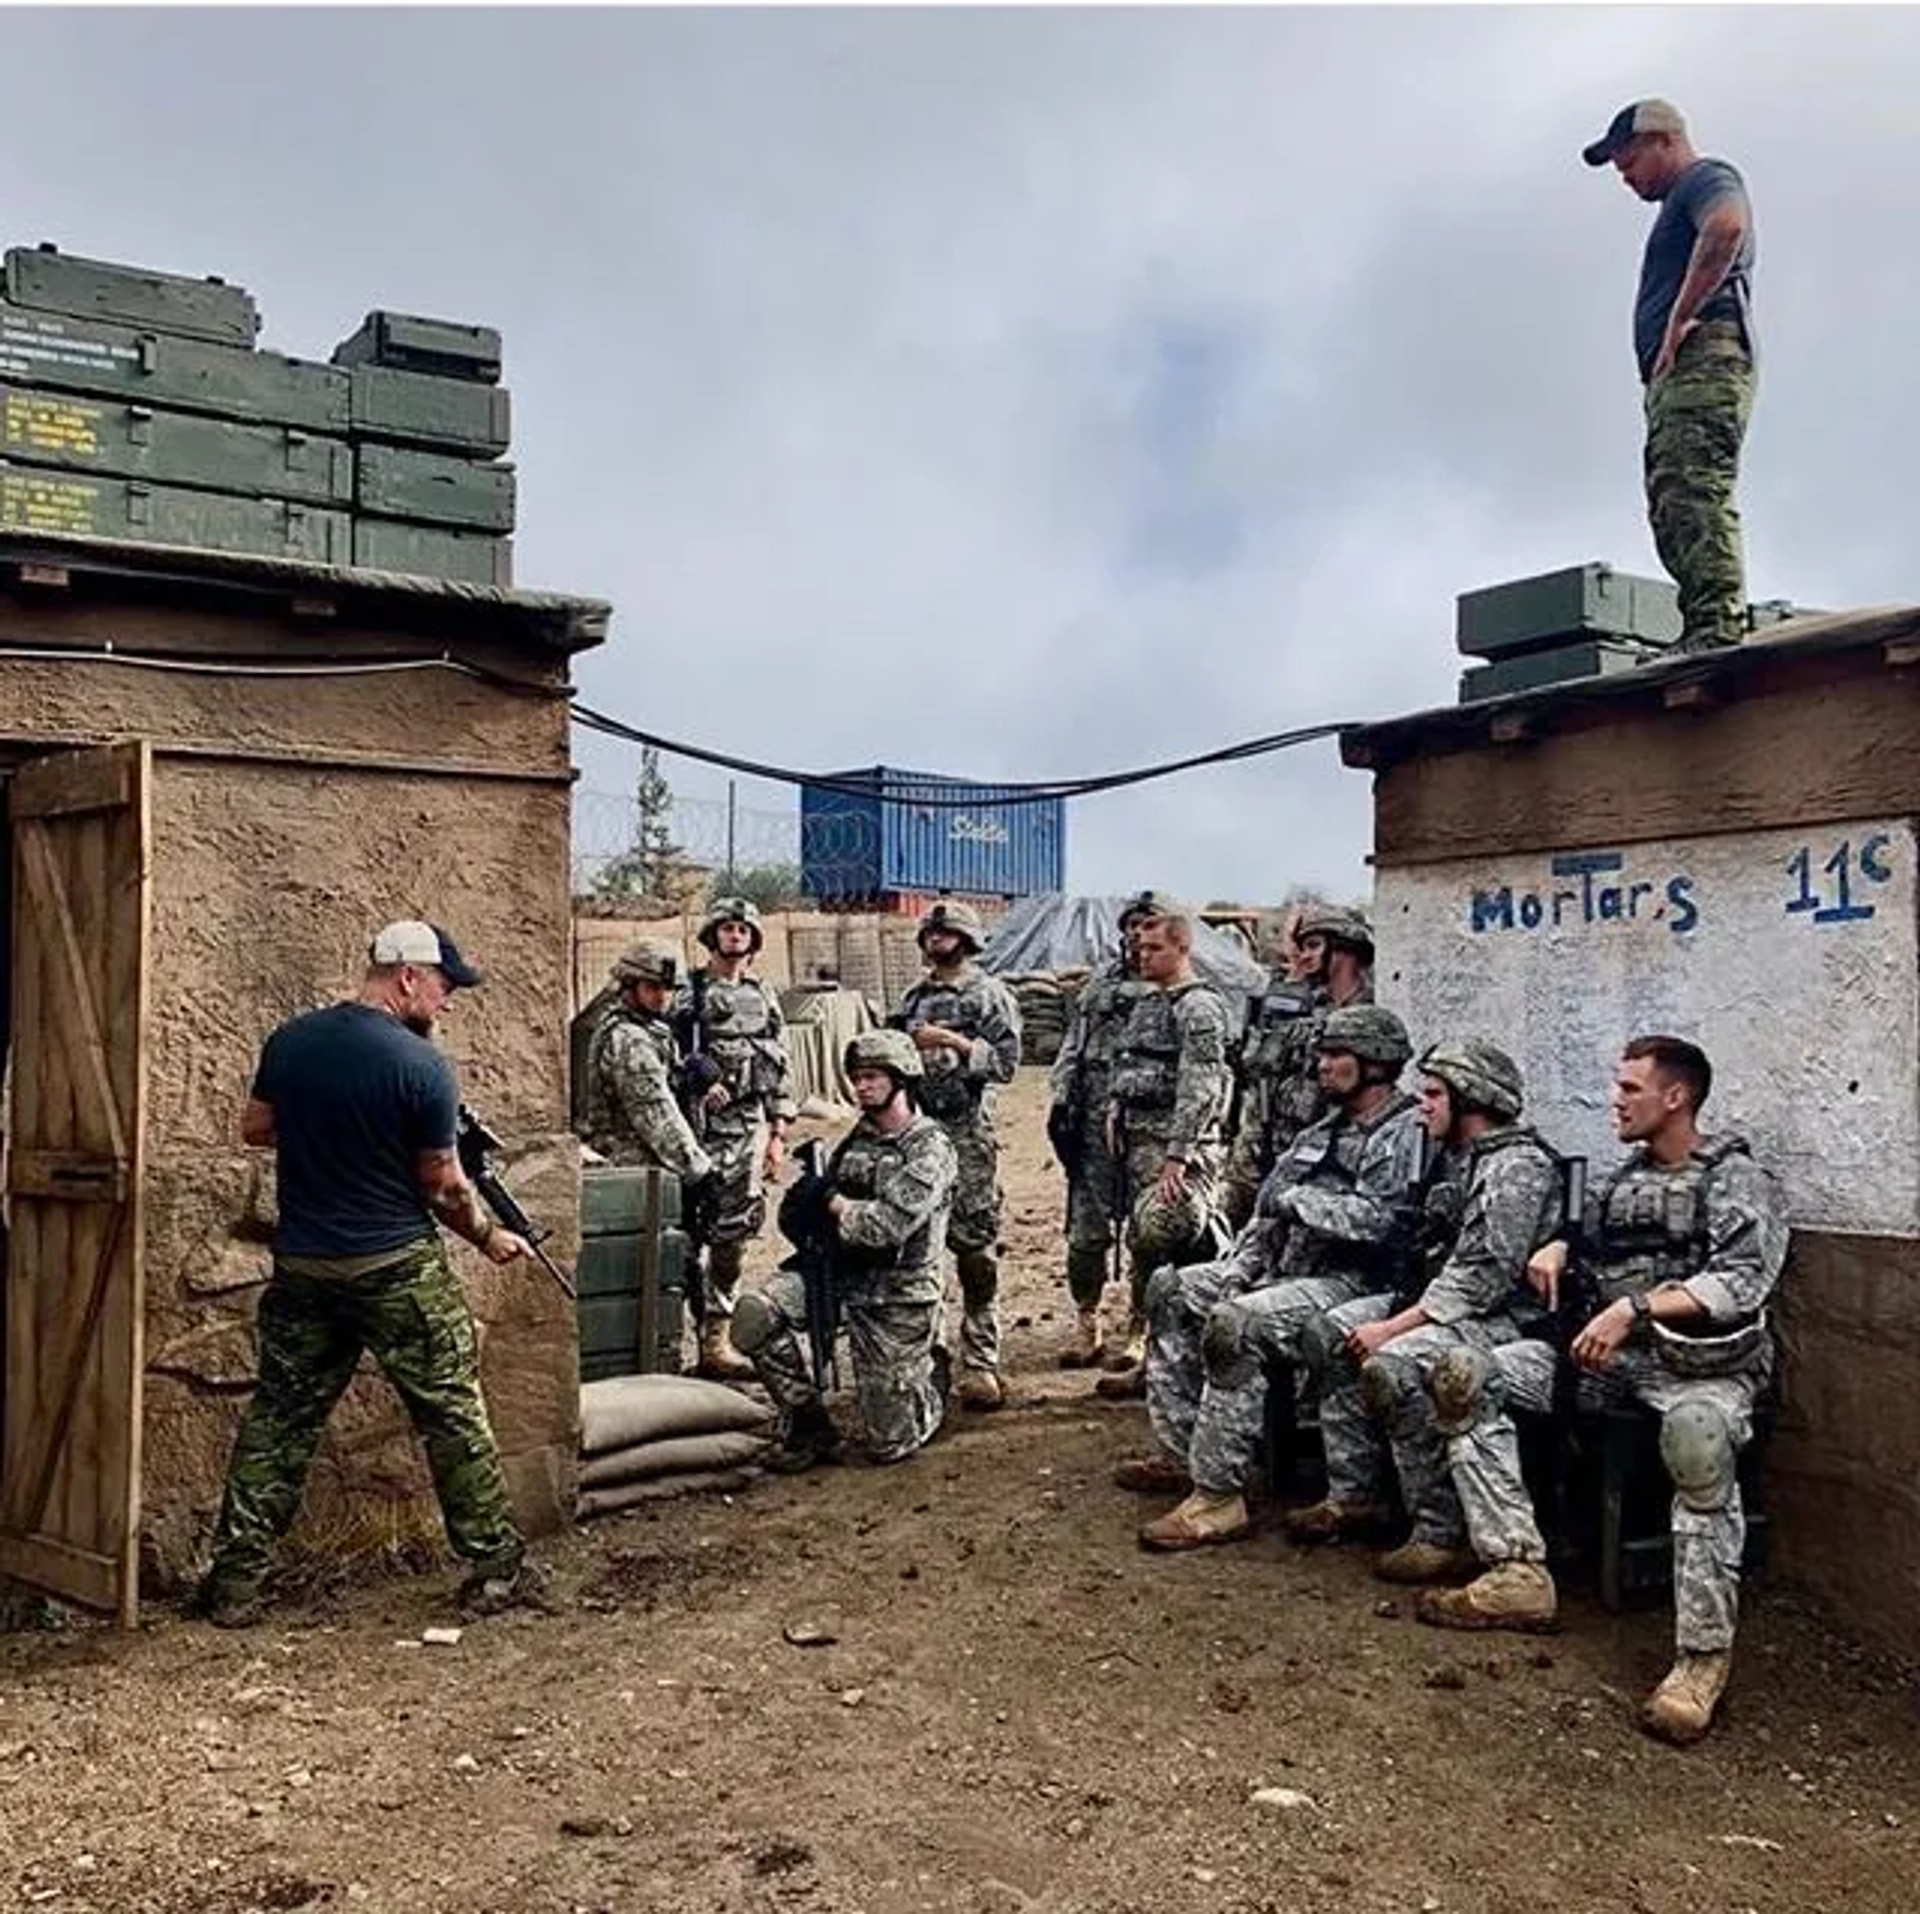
475, 1144
808, 1226
698, 1074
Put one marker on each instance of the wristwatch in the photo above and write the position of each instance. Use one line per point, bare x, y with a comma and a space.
1642, 1307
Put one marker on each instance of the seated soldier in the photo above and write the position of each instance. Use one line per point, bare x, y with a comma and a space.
1340, 1205
1682, 1248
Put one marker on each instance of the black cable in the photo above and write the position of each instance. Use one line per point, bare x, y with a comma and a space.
931, 797
924, 796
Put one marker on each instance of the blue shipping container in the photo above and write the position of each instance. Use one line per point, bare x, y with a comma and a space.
887, 838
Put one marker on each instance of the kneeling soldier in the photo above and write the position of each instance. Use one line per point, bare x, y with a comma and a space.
888, 1190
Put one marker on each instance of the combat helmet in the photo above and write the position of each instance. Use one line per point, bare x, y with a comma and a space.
1367, 1031
1336, 926
1480, 1074
730, 910
1145, 904
890, 1050
960, 918
649, 962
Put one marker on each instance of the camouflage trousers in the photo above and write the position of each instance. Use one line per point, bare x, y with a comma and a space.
1158, 1232
413, 1317
890, 1337
1207, 1357
1696, 423
1381, 1408
1709, 1523
973, 1234
740, 1209
1095, 1211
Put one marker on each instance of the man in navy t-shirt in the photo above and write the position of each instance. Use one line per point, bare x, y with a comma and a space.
1694, 340
361, 1112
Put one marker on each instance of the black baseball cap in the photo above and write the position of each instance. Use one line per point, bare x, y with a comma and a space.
1643, 116
410, 941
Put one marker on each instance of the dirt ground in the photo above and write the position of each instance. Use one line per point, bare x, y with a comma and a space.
1020, 1710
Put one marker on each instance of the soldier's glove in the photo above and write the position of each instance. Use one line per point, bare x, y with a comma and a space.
804, 1216
702, 1073
1063, 1132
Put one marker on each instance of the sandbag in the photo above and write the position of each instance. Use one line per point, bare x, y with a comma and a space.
724, 1449
625, 1411
625, 1495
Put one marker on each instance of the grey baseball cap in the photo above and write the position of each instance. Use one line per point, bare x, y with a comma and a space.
410, 941
1643, 116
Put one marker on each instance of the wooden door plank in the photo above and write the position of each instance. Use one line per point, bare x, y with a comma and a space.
68, 1176
74, 783
43, 1561
85, 1037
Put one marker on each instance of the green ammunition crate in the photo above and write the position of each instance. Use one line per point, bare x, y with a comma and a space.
615, 1206
444, 415
53, 281
173, 448
34, 499
432, 551
1531, 670
1584, 601
127, 362
443, 347
398, 482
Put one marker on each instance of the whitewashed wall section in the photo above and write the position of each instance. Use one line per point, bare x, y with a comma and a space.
1789, 956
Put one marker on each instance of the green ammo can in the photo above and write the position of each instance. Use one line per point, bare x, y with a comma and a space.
446, 348
397, 482
432, 551
133, 440
632, 1273
443, 415
210, 309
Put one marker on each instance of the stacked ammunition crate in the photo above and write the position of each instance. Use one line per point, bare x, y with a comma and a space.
1583, 622
136, 405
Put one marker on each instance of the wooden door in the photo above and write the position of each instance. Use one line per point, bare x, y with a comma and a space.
70, 1434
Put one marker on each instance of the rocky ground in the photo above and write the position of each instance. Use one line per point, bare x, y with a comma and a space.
1013, 1708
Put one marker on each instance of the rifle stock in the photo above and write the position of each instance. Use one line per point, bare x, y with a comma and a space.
818, 1281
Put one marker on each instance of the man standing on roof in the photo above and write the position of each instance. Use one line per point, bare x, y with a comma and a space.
966, 1026
1694, 339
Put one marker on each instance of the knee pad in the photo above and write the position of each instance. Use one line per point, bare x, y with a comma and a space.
754, 1322
1322, 1342
1223, 1342
1465, 1385
1696, 1444
1383, 1386
978, 1271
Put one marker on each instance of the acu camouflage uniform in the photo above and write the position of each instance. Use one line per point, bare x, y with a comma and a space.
1082, 1083
899, 1192
633, 1115
959, 1094
1339, 1211
745, 1036
1171, 1084
1504, 1193
1717, 1225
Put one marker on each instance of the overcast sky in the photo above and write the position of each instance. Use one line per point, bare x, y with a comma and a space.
1021, 394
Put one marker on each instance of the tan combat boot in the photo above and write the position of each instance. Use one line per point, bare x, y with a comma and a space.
1088, 1343
1681, 1709
718, 1357
1415, 1562
1516, 1595
1132, 1354
979, 1389
1199, 1520
1334, 1521
1153, 1475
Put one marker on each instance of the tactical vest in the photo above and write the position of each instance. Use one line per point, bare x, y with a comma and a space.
1146, 1072
1103, 1009
946, 1092
855, 1169
1652, 1222
1526, 1305
605, 1127
1331, 1152
740, 1037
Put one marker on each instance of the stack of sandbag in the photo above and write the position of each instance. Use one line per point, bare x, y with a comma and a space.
1043, 1014
644, 1437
